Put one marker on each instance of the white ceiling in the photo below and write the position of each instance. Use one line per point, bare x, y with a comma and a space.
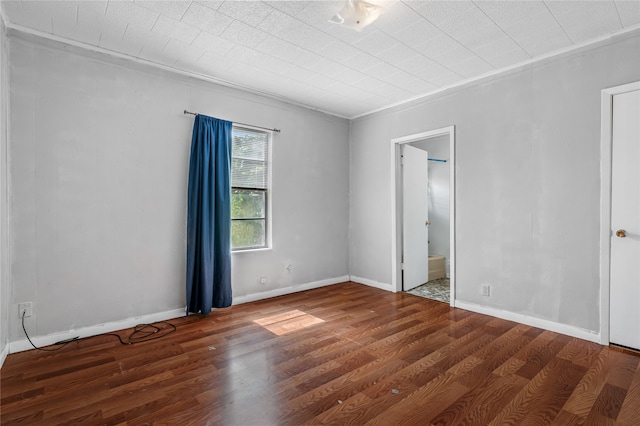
289, 50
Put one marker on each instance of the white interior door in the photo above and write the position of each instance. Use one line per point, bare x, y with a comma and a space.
625, 221
415, 217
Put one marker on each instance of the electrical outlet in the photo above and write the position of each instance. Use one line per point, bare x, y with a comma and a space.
263, 280
24, 308
485, 290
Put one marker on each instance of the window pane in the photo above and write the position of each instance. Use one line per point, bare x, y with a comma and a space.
249, 144
249, 186
248, 173
247, 204
247, 233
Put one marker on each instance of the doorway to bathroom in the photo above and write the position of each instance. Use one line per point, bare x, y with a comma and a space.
423, 226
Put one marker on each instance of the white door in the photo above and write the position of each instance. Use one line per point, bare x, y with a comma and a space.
415, 217
625, 221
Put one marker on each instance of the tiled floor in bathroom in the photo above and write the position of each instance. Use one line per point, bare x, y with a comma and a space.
434, 289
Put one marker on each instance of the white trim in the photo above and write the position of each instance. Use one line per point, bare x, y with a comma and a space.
5, 270
492, 74
94, 330
372, 283
452, 216
197, 76
606, 119
558, 54
288, 290
556, 327
268, 234
396, 248
3, 355
253, 250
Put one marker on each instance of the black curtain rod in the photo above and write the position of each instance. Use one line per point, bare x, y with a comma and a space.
241, 124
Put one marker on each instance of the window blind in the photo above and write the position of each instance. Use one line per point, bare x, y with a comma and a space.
249, 159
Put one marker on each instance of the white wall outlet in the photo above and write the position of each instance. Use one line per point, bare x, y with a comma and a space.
25, 308
263, 280
485, 290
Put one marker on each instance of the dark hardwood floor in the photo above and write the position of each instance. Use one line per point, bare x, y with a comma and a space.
343, 354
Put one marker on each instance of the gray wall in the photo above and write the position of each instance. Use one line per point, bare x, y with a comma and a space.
528, 184
99, 156
5, 293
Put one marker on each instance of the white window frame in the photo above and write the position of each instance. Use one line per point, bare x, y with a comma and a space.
268, 191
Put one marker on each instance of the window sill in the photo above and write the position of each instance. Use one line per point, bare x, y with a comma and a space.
251, 250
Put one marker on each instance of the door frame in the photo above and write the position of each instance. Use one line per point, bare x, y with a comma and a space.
606, 135
396, 204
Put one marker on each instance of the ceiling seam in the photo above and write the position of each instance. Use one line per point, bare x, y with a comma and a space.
502, 29
615, 5
185, 11
125, 32
339, 63
557, 22
227, 55
456, 41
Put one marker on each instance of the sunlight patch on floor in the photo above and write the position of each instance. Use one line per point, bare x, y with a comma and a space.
287, 322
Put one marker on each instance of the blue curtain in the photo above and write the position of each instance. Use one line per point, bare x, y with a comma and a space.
209, 216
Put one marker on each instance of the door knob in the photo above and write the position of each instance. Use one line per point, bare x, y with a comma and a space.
621, 233
428, 223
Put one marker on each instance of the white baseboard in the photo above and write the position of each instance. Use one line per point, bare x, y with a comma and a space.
3, 354
288, 290
556, 327
371, 283
94, 330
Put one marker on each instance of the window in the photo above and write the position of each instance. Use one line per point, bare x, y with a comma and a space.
249, 189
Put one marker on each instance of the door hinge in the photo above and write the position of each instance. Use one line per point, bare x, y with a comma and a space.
402, 160
402, 266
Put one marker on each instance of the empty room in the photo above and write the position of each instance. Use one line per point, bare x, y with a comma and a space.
320, 212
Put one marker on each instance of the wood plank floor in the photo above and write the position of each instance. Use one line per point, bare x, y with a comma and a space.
343, 354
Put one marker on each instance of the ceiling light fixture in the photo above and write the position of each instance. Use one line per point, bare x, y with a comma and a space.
357, 14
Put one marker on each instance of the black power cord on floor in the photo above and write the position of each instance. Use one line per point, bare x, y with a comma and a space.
63, 342
144, 332
141, 333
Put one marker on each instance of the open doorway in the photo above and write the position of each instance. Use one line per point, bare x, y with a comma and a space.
423, 226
